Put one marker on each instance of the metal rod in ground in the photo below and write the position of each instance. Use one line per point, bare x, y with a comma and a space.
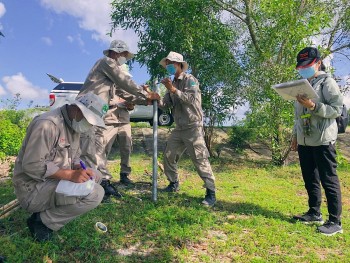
155, 150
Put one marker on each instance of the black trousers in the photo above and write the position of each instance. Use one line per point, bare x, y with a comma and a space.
318, 165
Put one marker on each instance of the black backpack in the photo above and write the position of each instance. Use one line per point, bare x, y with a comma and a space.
343, 119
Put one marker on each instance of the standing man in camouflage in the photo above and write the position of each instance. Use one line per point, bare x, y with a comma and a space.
118, 129
104, 79
184, 97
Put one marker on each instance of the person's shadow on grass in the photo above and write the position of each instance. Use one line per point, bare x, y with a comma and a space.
235, 208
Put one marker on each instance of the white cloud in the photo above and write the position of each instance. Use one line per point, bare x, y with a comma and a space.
2, 12
2, 9
70, 39
47, 41
92, 16
77, 39
80, 41
2, 91
19, 84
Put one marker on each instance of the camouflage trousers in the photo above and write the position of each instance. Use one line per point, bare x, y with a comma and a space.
192, 141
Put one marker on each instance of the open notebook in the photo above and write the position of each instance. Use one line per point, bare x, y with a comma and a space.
75, 189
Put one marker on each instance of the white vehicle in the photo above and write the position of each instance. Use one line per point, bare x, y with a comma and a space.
65, 92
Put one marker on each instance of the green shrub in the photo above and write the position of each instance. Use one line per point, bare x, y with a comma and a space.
11, 136
341, 160
13, 125
240, 136
14, 116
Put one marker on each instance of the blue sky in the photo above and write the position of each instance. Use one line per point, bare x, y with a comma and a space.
64, 38
61, 37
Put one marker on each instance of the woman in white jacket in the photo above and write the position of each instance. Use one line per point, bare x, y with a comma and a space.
315, 134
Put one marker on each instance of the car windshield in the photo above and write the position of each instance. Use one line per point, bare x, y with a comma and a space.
68, 86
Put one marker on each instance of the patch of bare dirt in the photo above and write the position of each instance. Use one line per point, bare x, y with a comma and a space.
134, 250
6, 165
204, 248
343, 144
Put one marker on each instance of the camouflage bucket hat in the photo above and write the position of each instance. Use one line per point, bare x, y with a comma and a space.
119, 46
175, 57
93, 108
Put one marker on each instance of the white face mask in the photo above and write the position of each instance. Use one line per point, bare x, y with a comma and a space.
121, 60
81, 126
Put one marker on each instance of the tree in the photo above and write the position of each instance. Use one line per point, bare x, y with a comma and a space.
192, 28
238, 49
272, 32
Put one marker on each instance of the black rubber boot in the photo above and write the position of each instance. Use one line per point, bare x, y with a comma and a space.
124, 179
172, 187
110, 190
39, 231
210, 198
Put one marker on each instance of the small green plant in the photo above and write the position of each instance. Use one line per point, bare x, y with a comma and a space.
341, 160
239, 136
12, 103
2, 156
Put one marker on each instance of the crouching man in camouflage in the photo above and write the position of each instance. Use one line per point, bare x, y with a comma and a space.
48, 177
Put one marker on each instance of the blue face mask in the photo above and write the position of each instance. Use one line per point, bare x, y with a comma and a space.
171, 69
307, 73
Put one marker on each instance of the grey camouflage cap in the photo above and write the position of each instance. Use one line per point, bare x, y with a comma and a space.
119, 46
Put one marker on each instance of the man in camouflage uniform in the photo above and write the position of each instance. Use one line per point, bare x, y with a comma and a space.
184, 97
49, 157
104, 79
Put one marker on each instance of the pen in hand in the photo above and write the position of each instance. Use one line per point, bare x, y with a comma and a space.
82, 164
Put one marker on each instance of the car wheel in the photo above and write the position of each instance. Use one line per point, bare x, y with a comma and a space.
165, 118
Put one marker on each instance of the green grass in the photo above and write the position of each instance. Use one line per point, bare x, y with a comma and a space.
250, 222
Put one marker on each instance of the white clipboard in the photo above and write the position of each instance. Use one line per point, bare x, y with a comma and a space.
289, 90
